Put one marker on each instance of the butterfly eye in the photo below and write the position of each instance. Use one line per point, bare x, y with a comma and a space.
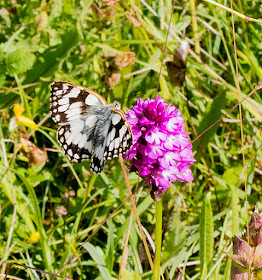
117, 105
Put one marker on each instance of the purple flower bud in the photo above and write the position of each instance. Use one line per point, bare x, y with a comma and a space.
248, 256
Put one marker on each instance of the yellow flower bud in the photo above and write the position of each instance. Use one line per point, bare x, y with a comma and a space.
33, 238
18, 109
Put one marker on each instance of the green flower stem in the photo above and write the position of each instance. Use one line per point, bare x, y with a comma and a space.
158, 240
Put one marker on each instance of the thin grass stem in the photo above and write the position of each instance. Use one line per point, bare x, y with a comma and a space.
158, 240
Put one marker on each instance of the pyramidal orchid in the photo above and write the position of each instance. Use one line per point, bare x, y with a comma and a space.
161, 152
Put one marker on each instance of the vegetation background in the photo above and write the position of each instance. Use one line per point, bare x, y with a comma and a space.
49, 206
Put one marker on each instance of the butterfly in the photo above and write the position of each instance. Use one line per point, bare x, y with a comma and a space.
89, 127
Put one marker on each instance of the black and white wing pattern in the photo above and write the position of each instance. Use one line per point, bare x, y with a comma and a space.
90, 128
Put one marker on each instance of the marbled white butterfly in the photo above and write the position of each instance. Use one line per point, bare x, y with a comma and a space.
90, 128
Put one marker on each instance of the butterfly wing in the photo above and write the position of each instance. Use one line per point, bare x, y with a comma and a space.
98, 161
76, 139
117, 139
69, 101
69, 105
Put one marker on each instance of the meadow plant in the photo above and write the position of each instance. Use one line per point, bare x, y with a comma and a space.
161, 153
247, 251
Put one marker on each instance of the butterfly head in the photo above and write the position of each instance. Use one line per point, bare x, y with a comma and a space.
116, 105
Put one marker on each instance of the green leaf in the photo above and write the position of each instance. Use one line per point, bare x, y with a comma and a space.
206, 236
96, 255
130, 275
174, 238
2, 81
47, 63
110, 247
213, 113
2, 59
232, 175
18, 61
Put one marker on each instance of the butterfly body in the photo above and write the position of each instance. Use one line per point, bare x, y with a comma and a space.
90, 128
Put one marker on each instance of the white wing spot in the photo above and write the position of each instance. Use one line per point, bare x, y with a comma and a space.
122, 131
116, 142
70, 138
75, 105
67, 133
57, 118
74, 92
59, 92
70, 152
62, 108
112, 133
82, 141
71, 113
61, 131
92, 100
76, 156
63, 101
116, 118
89, 146
76, 138
111, 146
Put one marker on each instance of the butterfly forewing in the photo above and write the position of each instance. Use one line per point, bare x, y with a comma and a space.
69, 101
90, 129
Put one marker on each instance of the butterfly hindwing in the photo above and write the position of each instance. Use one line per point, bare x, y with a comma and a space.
74, 143
116, 141
119, 137
98, 161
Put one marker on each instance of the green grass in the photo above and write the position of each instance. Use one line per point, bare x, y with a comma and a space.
47, 41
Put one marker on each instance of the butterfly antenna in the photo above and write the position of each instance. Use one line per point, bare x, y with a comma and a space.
137, 95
